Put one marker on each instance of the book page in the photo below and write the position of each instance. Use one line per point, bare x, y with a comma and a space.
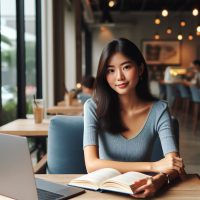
95, 178
123, 182
128, 178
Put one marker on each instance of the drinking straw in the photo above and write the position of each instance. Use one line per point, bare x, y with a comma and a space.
34, 101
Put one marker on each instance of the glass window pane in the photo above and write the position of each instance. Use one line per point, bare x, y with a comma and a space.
8, 61
30, 45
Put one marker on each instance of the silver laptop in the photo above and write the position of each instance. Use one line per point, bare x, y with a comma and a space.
16, 174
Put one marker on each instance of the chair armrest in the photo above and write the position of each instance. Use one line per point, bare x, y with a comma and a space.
40, 167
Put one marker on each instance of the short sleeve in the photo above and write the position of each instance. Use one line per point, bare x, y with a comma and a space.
164, 130
90, 124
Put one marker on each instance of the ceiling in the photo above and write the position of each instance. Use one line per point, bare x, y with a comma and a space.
145, 5
101, 12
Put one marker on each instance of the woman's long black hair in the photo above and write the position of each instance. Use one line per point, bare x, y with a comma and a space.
108, 108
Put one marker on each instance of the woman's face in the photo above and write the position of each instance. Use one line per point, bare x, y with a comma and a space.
122, 74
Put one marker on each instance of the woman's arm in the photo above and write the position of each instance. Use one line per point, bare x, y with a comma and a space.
148, 187
92, 161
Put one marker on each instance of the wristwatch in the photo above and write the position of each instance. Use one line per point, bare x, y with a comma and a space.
167, 177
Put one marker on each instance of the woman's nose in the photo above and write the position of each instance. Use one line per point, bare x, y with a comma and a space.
120, 75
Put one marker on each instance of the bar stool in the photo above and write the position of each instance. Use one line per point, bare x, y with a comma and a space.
195, 93
185, 97
171, 97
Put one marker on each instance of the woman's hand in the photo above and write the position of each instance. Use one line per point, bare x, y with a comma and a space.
147, 187
169, 163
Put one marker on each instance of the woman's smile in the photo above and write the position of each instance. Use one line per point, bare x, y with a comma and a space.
121, 85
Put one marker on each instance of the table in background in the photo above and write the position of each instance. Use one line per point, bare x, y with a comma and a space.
65, 110
28, 128
75, 102
189, 189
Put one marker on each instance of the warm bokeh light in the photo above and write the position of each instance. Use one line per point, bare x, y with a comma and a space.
78, 85
195, 12
190, 37
180, 37
182, 23
156, 36
198, 28
111, 4
164, 13
198, 33
169, 30
157, 20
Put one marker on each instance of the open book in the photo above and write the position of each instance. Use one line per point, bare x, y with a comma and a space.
108, 179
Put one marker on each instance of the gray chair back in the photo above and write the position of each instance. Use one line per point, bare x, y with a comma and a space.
65, 145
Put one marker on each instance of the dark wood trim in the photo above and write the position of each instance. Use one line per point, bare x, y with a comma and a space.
58, 49
21, 66
38, 49
88, 51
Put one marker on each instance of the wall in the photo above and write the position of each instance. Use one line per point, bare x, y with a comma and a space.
141, 27
70, 47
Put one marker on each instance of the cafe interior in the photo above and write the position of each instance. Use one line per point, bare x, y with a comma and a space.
48, 46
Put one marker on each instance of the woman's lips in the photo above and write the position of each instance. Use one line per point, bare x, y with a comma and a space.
122, 85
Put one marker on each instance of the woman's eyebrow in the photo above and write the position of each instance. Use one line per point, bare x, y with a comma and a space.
125, 62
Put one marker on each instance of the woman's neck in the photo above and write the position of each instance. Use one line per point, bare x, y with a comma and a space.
129, 102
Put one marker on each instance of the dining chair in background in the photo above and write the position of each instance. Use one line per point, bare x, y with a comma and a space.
185, 99
172, 97
195, 96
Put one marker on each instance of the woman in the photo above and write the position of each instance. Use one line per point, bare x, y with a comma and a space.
123, 119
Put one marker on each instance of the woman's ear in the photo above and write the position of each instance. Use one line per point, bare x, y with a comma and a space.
141, 69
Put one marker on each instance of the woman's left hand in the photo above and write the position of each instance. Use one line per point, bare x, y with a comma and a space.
146, 187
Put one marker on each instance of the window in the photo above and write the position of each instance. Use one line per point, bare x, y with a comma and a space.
8, 61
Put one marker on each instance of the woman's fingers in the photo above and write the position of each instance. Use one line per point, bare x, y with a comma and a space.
148, 183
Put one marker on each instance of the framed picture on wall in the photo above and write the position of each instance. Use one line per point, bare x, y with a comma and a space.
161, 52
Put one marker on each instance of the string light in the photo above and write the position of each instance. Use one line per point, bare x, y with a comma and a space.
180, 36
198, 28
111, 3
157, 20
156, 36
164, 13
182, 23
169, 30
195, 12
190, 37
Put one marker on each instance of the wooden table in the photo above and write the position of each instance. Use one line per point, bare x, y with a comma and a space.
26, 127
65, 110
75, 102
189, 189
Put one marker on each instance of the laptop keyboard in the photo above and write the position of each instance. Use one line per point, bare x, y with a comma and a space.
46, 195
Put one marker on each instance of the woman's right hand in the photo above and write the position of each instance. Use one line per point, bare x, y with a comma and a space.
170, 162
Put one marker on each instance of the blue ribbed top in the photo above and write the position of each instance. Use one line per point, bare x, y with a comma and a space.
136, 149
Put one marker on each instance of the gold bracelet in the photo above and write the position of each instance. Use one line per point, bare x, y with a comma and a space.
167, 177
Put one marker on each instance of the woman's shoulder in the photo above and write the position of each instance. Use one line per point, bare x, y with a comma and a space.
90, 104
160, 105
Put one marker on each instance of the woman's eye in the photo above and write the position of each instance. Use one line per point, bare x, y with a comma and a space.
110, 70
127, 67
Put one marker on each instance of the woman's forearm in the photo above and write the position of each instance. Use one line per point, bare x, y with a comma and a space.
120, 166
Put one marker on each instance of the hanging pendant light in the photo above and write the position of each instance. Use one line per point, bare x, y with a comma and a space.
195, 12
165, 13
169, 30
190, 37
182, 23
180, 36
156, 36
157, 21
